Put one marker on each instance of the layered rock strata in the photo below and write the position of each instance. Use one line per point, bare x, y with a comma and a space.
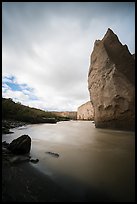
111, 83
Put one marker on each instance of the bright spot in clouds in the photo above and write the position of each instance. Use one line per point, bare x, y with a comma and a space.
46, 48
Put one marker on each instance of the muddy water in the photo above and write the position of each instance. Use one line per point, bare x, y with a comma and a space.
93, 164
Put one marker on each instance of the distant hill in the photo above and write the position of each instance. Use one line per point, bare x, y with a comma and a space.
69, 114
19, 112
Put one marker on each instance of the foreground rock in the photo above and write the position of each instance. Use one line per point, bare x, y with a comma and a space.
85, 111
111, 83
15, 152
21, 145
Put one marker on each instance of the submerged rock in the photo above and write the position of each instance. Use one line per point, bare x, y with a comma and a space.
21, 145
34, 161
53, 154
111, 83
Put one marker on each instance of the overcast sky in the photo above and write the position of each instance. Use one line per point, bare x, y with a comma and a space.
46, 48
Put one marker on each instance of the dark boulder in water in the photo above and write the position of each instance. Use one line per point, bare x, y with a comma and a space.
34, 161
21, 145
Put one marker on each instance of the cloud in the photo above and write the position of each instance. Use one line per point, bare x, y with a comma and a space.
47, 47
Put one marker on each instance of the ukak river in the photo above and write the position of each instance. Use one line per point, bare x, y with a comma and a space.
92, 162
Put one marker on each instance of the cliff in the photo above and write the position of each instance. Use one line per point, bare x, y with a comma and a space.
111, 83
85, 111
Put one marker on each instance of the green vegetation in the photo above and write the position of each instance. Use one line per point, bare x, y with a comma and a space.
19, 112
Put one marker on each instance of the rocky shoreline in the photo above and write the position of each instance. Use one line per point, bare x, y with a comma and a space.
21, 181
9, 124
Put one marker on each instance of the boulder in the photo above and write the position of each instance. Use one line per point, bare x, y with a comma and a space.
21, 145
111, 83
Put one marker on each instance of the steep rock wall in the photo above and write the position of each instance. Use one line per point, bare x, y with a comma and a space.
111, 83
85, 111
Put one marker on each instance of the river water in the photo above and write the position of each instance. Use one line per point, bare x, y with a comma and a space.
93, 164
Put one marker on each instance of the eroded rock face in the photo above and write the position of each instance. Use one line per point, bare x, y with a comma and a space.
21, 145
111, 83
85, 111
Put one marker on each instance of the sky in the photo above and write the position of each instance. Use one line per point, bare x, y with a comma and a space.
46, 48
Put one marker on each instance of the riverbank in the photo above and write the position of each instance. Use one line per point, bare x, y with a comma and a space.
23, 183
9, 124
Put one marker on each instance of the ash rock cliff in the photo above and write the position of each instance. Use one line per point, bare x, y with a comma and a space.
85, 111
111, 83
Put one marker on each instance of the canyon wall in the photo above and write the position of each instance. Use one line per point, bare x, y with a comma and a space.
85, 111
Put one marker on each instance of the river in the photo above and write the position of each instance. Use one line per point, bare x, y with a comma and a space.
92, 162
